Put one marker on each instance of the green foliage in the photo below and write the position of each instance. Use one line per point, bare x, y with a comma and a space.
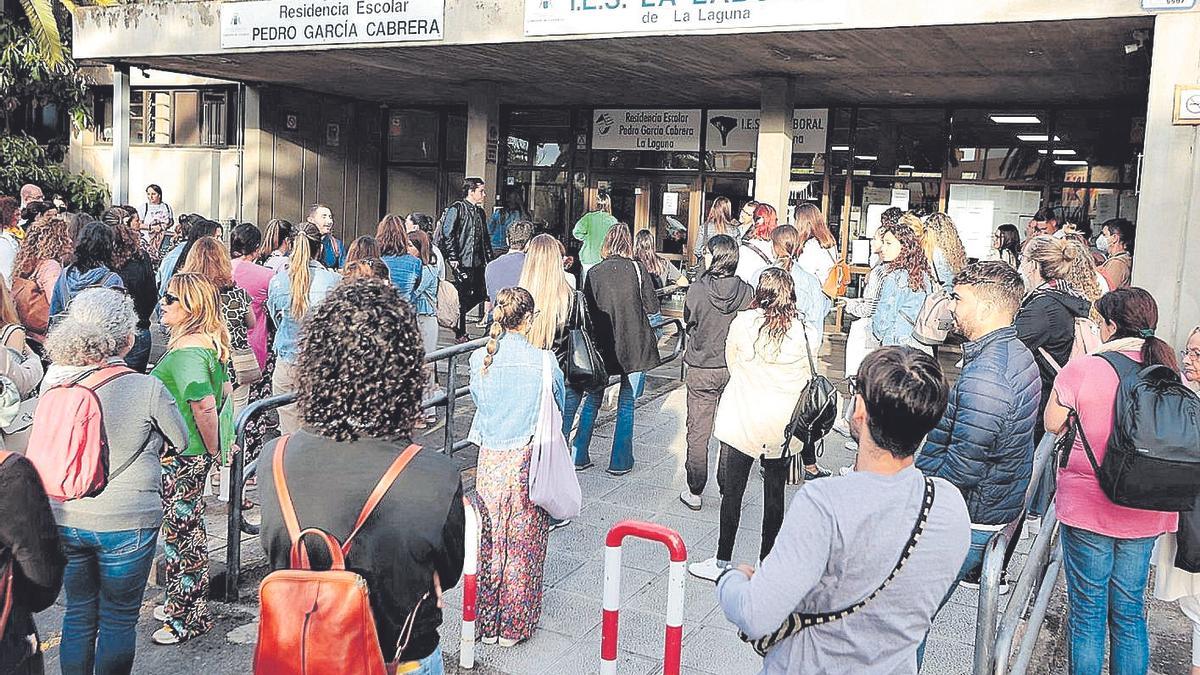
28, 78
23, 160
44, 16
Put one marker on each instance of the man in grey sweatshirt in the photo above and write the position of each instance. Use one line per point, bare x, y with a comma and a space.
842, 537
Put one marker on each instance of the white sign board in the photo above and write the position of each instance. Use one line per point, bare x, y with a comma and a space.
290, 23
575, 17
737, 130
977, 210
1154, 5
665, 129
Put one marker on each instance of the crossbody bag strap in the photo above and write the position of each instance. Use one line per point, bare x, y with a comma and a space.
283, 493
381, 488
799, 621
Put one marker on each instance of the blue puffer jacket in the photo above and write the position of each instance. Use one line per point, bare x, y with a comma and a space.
984, 442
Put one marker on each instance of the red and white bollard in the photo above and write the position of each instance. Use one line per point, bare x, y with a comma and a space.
612, 591
466, 645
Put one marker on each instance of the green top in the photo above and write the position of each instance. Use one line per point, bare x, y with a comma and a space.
191, 374
591, 230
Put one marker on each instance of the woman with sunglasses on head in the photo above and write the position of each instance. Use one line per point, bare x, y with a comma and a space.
276, 244
194, 372
301, 286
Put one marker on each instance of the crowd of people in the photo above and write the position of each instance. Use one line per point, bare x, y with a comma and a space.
174, 332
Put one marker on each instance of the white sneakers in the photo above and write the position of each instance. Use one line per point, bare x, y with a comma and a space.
690, 500
1033, 526
709, 569
160, 613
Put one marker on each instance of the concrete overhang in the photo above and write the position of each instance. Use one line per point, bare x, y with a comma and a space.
943, 51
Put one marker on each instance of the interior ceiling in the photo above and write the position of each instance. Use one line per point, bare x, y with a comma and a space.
1059, 62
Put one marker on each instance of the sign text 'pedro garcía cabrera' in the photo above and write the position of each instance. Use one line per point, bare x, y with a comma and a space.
286, 23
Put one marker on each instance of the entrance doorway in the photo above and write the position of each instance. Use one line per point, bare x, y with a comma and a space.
668, 205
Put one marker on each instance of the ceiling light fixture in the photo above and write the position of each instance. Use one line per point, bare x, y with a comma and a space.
1071, 162
840, 148
1058, 151
1015, 119
1036, 138
867, 158
818, 56
906, 167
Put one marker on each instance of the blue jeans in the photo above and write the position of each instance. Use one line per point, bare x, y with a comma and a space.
1106, 586
103, 584
431, 665
139, 354
622, 448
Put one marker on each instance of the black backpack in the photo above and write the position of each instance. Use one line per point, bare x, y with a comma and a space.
1152, 461
815, 411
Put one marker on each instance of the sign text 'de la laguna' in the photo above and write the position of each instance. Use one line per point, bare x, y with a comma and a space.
287, 23
576, 17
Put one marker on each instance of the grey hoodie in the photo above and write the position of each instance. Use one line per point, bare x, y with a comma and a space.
708, 309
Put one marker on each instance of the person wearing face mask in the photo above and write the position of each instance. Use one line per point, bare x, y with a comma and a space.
1116, 238
1170, 582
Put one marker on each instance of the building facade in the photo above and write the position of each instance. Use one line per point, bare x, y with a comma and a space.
983, 110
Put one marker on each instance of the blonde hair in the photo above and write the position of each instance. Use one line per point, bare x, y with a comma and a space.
201, 301
810, 224
513, 307
618, 242
1082, 275
8, 308
1053, 257
914, 223
785, 242
305, 249
542, 275
941, 234
210, 259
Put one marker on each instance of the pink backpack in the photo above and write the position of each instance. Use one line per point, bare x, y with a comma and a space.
67, 445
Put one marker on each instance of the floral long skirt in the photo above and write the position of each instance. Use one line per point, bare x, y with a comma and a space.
512, 547
186, 545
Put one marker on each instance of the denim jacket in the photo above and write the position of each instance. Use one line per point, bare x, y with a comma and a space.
899, 304
425, 295
279, 304
508, 397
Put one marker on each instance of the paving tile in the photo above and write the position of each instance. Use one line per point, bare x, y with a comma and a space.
584, 659
719, 651
644, 633
699, 599
559, 565
569, 613
946, 656
589, 580
530, 656
956, 622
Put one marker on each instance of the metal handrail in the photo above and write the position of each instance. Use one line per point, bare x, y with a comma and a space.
239, 472
994, 633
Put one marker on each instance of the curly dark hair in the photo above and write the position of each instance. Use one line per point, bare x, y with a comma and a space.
361, 363
912, 257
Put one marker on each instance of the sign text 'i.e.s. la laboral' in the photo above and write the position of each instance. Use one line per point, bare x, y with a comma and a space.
575, 17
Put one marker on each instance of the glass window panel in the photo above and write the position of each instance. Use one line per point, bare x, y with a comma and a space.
923, 198
413, 136
1107, 140
159, 113
984, 149
413, 189
645, 159
889, 141
456, 138
546, 195
735, 162
839, 140
539, 138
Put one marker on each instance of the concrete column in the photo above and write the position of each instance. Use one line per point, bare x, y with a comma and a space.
120, 143
252, 140
483, 135
773, 168
1167, 252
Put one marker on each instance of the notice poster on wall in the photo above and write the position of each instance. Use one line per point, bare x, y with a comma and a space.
290, 23
667, 130
575, 17
977, 210
737, 130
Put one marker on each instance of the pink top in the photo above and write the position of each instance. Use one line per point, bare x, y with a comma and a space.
1089, 385
254, 279
47, 276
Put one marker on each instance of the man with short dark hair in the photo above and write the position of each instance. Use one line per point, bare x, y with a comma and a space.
333, 250
984, 443
464, 239
505, 271
842, 538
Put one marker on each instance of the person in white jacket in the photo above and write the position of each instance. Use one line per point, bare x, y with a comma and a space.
768, 368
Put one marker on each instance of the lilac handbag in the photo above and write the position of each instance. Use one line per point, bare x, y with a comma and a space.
552, 482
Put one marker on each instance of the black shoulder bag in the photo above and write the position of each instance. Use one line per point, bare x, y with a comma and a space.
799, 620
585, 368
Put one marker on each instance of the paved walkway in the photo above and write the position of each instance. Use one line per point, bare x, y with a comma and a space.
568, 641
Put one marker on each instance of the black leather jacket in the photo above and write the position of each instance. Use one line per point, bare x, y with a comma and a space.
463, 235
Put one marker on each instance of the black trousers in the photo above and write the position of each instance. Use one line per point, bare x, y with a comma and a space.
733, 472
471, 292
